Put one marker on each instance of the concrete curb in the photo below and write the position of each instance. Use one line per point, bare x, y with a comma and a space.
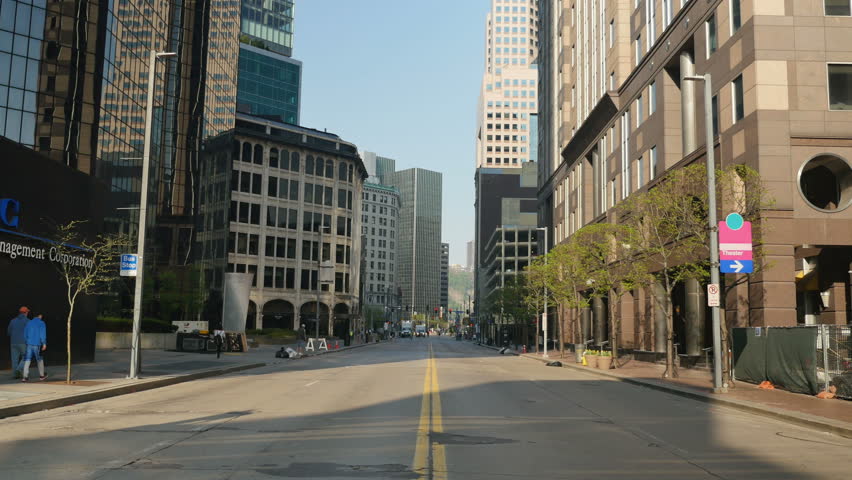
802, 419
124, 389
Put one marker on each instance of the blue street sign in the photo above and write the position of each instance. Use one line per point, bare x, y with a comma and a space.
736, 266
129, 262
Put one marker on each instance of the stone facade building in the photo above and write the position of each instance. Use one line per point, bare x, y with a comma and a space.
620, 114
279, 200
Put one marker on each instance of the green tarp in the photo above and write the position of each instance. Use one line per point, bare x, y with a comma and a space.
784, 356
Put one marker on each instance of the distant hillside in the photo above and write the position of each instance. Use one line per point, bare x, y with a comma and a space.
461, 285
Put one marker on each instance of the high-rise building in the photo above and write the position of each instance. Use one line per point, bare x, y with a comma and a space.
419, 242
377, 166
73, 86
508, 95
505, 200
269, 80
279, 201
632, 113
470, 256
445, 277
380, 215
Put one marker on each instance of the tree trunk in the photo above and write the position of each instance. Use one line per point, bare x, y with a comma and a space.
671, 371
559, 332
613, 325
68, 344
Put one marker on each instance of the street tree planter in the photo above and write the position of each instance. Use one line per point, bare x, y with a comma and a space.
604, 362
591, 360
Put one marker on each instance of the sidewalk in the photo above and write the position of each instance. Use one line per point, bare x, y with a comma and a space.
827, 415
106, 377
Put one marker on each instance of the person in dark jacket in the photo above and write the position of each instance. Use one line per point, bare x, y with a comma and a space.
35, 334
18, 346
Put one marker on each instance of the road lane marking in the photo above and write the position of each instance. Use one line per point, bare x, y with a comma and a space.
430, 461
309, 384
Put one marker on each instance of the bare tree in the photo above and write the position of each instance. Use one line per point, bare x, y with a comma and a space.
87, 265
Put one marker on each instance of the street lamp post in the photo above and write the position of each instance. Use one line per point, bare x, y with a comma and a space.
718, 387
135, 357
544, 312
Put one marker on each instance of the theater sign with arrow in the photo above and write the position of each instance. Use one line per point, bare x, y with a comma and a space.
735, 249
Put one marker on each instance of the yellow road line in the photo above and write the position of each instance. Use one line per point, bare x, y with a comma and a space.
439, 457
430, 461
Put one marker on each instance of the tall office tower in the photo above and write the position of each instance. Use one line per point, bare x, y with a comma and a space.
470, 255
637, 112
377, 166
380, 218
445, 277
419, 242
505, 200
269, 80
73, 86
508, 93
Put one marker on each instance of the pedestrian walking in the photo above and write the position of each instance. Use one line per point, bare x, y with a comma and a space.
35, 334
17, 343
219, 340
302, 337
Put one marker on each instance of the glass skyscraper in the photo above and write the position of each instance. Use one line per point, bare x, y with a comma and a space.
73, 87
269, 85
419, 239
270, 81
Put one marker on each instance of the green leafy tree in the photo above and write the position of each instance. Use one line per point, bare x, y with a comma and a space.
607, 255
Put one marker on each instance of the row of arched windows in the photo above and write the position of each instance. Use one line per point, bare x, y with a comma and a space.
285, 160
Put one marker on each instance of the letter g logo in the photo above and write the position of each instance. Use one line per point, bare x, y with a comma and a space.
9, 210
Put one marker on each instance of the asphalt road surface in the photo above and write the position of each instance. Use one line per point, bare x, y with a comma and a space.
429, 408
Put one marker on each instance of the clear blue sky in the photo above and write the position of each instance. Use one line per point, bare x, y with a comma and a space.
400, 78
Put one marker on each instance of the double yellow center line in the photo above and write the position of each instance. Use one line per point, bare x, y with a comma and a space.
430, 460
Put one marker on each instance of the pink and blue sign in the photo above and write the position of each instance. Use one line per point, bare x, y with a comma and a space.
735, 248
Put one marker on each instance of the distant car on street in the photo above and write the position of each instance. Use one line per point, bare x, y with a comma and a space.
420, 330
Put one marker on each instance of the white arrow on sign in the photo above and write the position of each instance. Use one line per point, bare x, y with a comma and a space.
737, 266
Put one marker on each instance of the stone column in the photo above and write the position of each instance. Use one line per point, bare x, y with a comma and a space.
599, 314
585, 324
659, 317
696, 314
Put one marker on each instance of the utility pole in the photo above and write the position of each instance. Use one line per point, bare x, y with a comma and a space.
544, 313
718, 387
135, 354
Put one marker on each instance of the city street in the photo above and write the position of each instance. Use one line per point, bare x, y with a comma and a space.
430, 408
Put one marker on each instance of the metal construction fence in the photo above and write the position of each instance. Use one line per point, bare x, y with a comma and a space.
834, 359
806, 359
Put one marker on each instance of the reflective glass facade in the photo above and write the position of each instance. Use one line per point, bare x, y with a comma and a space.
268, 24
73, 86
269, 85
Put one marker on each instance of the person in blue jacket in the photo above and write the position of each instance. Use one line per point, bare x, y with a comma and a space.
18, 346
35, 333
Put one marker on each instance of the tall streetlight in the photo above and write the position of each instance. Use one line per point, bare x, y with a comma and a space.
544, 313
135, 358
711, 218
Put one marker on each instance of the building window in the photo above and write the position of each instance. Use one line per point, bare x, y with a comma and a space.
652, 98
737, 97
653, 161
840, 86
712, 40
640, 111
638, 49
736, 16
838, 7
715, 106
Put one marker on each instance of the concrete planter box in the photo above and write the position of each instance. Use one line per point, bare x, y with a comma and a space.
122, 340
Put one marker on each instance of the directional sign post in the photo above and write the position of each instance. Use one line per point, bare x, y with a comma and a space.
735, 249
